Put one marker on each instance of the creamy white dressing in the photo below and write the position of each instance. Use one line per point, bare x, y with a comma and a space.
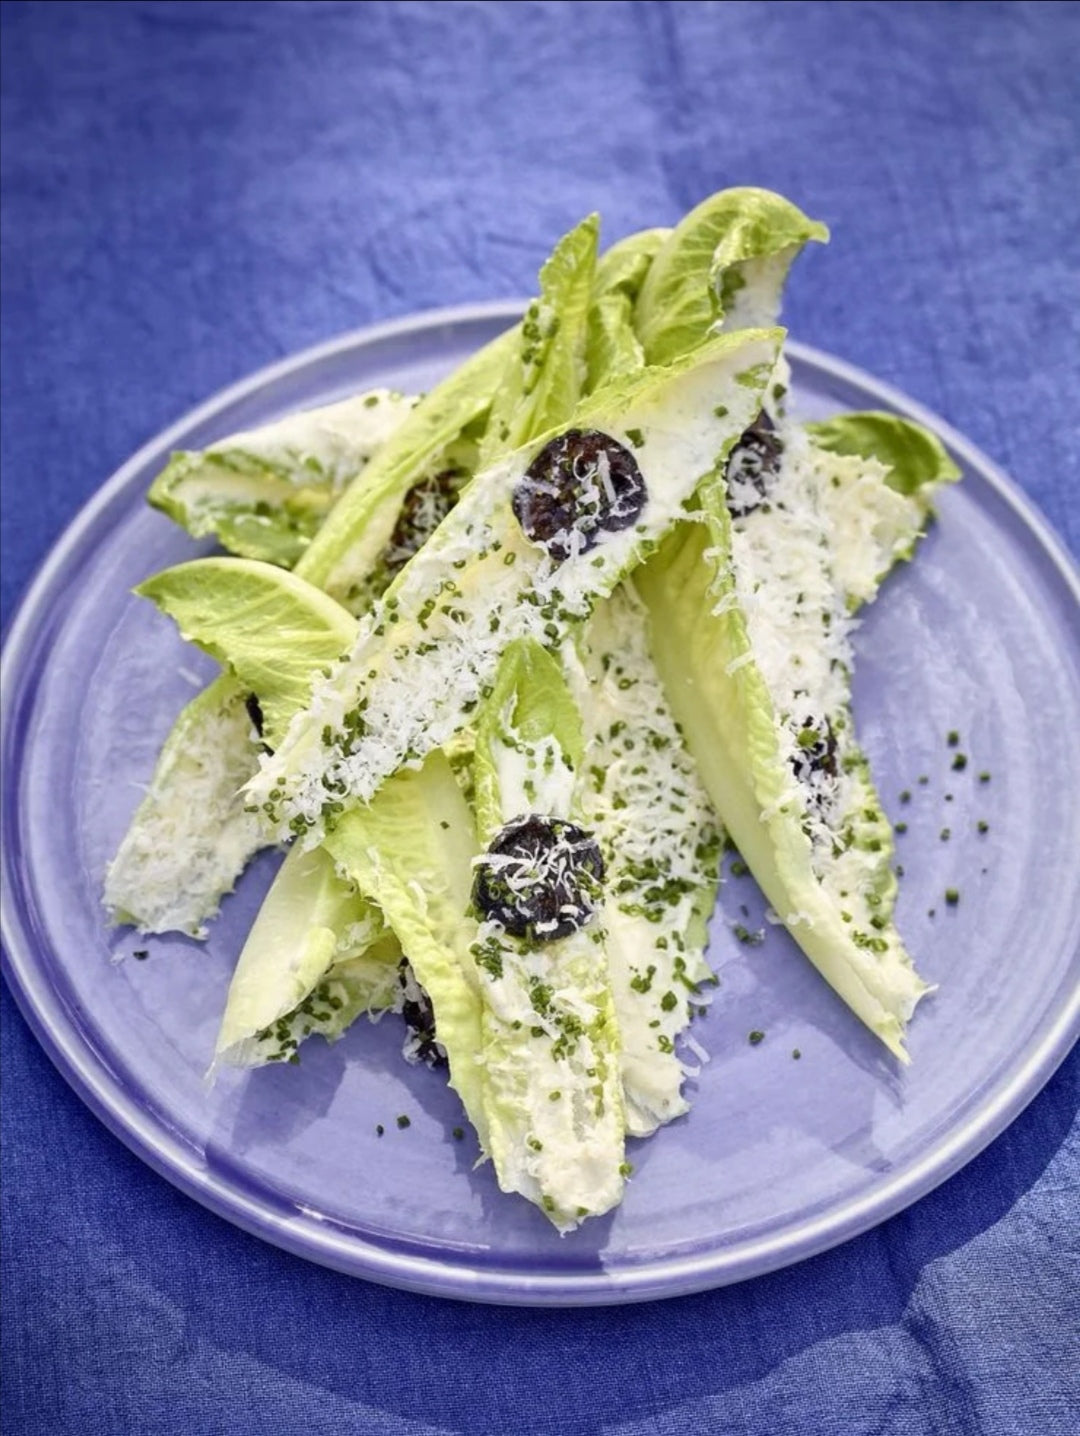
757, 303
536, 774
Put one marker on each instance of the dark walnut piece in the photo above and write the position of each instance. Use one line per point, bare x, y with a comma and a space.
751, 467
540, 878
579, 487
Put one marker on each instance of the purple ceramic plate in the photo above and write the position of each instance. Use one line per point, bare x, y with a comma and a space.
779, 1158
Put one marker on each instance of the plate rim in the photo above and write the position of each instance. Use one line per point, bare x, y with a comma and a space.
145, 1134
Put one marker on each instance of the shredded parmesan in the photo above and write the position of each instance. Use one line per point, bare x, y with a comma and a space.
427, 653
641, 794
191, 837
802, 559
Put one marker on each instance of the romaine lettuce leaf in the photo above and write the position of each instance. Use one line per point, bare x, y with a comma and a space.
192, 835
613, 347
724, 265
317, 955
542, 384
529, 712
411, 849
885, 475
880, 476
263, 493
365, 983
916, 459
273, 630
755, 661
428, 652
551, 1076
361, 525
639, 792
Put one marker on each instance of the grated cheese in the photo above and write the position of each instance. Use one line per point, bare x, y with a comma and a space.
427, 652
802, 561
191, 837
640, 793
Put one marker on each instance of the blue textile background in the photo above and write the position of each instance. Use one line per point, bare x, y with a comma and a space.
193, 190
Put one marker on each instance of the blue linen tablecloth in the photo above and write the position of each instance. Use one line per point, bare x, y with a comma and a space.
193, 190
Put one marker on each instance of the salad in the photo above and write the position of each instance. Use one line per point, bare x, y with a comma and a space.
505, 666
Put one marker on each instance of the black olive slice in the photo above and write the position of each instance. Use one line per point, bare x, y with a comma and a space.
815, 751
579, 487
752, 465
423, 1044
540, 878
